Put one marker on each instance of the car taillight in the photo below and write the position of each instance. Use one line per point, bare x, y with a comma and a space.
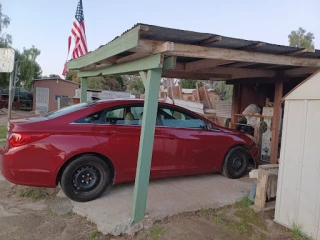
19, 139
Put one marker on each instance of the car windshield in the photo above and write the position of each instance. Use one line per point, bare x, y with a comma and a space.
67, 110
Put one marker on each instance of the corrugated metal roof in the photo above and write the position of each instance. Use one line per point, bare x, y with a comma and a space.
190, 37
195, 38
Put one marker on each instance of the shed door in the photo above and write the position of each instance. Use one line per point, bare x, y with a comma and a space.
42, 99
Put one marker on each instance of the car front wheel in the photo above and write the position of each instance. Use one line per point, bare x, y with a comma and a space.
236, 163
85, 178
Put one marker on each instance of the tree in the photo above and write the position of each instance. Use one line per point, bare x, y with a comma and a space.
168, 82
301, 39
190, 84
120, 80
112, 84
105, 82
72, 76
225, 90
37, 71
54, 76
28, 68
96, 83
5, 39
136, 85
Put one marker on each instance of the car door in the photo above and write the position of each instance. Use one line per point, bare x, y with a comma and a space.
188, 144
120, 133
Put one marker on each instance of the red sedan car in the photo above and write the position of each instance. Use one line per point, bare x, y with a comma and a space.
88, 146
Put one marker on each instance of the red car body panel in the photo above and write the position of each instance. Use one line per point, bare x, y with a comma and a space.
177, 151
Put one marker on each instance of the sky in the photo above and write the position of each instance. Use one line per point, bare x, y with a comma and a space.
47, 23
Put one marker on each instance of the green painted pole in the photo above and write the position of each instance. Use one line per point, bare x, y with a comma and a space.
152, 85
84, 88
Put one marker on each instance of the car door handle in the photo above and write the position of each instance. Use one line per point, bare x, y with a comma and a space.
171, 136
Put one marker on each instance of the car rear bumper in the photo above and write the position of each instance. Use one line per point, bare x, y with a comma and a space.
18, 169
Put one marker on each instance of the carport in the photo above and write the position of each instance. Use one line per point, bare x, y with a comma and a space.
155, 52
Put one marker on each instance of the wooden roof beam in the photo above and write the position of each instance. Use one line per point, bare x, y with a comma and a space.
239, 72
150, 62
241, 64
292, 53
301, 51
185, 50
131, 57
234, 72
195, 75
249, 47
205, 63
300, 71
124, 43
153, 47
257, 80
104, 63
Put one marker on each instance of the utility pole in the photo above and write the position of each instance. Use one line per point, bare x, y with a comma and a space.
10, 101
12, 84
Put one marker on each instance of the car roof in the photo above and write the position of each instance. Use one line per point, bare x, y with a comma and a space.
135, 100
129, 101
120, 100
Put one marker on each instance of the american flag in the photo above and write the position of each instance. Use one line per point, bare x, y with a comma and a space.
78, 36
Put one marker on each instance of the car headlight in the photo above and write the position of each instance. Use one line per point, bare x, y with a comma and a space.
252, 138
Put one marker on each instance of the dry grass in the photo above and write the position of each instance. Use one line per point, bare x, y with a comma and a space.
297, 233
156, 233
94, 234
3, 131
34, 193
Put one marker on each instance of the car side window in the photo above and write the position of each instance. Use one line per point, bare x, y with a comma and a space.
128, 115
92, 118
176, 119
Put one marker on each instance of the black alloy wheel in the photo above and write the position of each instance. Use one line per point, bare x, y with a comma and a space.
85, 178
236, 162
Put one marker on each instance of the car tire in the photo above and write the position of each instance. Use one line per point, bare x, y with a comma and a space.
236, 163
85, 178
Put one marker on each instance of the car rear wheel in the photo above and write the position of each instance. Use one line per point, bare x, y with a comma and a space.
85, 178
236, 163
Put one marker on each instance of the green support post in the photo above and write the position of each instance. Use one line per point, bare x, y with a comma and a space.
152, 85
84, 88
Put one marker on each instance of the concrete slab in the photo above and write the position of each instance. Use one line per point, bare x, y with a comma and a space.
166, 197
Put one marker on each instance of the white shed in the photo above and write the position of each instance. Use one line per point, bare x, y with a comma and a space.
298, 194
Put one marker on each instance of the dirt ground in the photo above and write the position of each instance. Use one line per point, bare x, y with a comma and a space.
232, 223
28, 214
32, 213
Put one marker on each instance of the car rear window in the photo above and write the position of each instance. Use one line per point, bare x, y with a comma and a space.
66, 110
